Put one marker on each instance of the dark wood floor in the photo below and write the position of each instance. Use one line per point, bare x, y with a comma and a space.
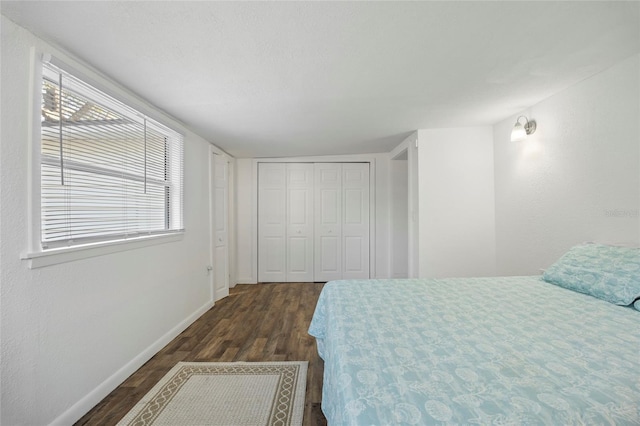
263, 322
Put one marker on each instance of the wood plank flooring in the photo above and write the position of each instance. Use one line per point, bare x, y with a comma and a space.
263, 322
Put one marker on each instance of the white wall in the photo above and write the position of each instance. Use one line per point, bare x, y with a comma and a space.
409, 148
246, 262
246, 175
399, 223
577, 178
73, 331
456, 202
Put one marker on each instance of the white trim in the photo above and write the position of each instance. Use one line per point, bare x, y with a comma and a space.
231, 164
34, 254
413, 207
246, 280
40, 259
33, 152
254, 223
211, 273
372, 219
83, 406
403, 146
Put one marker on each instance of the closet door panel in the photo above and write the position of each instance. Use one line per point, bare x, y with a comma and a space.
353, 259
331, 262
298, 254
328, 226
300, 218
353, 206
271, 222
329, 208
355, 225
273, 258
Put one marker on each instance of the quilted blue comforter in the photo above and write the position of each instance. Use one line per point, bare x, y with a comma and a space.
512, 350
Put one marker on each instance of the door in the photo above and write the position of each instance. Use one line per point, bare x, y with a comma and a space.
328, 223
299, 229
342, 221
355, 220
221, 231
313, 221
272, 225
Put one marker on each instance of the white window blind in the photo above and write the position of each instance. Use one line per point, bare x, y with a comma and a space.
107, 171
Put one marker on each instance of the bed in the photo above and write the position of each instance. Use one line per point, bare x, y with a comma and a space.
507, 350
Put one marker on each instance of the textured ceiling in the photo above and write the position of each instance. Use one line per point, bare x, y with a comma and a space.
311, 78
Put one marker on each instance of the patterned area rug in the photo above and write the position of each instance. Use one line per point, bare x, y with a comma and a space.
225, 394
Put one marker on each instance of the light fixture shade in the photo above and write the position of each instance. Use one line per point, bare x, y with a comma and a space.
518, 133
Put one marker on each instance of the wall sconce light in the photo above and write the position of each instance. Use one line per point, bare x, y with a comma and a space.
520, 132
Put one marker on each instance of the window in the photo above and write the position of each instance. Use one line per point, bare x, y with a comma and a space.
107, 172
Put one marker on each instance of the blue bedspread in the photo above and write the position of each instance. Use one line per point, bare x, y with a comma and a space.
512, 350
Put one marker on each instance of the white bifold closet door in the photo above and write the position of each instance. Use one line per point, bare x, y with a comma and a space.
285, 222
313, 221
272, 222
342, 221
299, 242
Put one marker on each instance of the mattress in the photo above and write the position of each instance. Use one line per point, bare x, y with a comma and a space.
509, 350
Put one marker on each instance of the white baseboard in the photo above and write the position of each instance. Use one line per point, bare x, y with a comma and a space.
246, 280
83, 406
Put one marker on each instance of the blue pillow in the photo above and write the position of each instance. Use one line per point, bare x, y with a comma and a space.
606, 272
636, 304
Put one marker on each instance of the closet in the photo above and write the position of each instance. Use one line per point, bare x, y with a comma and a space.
313, 221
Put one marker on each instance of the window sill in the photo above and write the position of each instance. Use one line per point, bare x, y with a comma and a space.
41, 259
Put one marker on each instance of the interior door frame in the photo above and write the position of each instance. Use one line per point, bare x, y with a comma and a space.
401, 162
409, 148
324, 159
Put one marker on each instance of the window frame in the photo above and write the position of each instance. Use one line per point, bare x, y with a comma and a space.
35, 255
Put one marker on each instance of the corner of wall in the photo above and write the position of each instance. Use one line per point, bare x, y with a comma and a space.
577, 178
